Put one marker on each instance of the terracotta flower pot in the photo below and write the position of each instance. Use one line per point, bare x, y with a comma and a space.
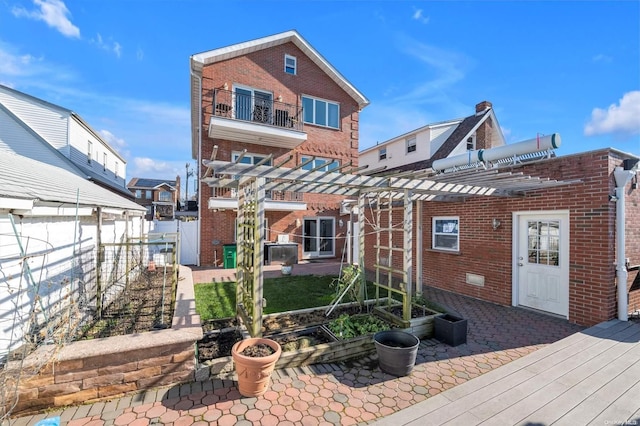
254, 373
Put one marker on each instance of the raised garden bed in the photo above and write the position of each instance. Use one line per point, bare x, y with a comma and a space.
420, 324
303, 333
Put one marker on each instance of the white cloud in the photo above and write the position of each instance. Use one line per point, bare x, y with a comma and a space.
54, 13
117, 143
108, 45
602, 58
16, 66
622, 119
145, 167
418, 16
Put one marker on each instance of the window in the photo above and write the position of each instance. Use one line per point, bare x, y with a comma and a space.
471, 145
164, 196
249, 158
290, 64
382, 154
445, 233
321, 112
116, 170
89, 151
138, 193
149, 194
544, 242
320, 164
411, 144
104, 161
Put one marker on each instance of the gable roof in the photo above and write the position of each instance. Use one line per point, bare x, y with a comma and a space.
463, 130
144, 183
199, 60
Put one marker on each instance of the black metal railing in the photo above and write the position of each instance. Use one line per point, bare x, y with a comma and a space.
257, 109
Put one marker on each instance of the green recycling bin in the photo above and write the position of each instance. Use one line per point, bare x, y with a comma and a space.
229, 256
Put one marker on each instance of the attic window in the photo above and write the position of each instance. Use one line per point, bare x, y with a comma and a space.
290, 64
471, 145
411, 145
382, 153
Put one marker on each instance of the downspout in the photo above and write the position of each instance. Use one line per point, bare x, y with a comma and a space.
622, 177
198, 250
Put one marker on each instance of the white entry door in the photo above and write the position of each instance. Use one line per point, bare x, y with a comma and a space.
542, 262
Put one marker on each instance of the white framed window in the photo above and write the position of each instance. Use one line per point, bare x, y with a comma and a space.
249, 158
104, 161
89, 151
117, 170
320, 164
382, 154
471, 143
411, 144
445, 233
164, 196
138, 193
252, 104
321, 112
149, 194
290, 64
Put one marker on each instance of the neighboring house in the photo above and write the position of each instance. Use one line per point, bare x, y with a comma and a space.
160, 197
416, 150
571, 250
70, 135
52, 223
273, 101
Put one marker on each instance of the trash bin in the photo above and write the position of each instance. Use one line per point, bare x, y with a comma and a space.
229, 256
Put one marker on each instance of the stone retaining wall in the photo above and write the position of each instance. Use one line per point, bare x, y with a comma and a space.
91, 370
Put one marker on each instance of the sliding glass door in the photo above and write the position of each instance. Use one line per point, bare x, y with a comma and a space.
318, 237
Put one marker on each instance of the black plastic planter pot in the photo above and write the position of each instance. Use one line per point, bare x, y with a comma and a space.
450, 329
396, 350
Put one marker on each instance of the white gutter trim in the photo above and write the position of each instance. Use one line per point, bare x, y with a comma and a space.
622, 177
199, 161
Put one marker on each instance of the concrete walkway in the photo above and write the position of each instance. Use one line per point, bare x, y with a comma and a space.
342, 393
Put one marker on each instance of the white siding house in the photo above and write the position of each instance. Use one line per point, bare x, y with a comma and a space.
52, 220
419, 148
70, 135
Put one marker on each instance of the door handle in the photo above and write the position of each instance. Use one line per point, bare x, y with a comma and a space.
520, 264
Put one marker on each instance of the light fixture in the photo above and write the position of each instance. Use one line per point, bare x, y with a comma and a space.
613, 197
279, 98
297, 223
226, 86
341, 223
495, 223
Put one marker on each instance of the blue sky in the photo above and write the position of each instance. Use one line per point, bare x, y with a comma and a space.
565, 67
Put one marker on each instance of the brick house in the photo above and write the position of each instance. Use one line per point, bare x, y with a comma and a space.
552, 249
273, 101
160, 197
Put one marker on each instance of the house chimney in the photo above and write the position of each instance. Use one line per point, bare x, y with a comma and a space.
483, 106
484, 132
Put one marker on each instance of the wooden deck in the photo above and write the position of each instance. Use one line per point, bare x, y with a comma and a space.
589, 378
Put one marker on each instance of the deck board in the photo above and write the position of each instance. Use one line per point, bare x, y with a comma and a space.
590, 377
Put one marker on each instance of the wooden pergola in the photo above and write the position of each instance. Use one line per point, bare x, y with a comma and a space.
382, 195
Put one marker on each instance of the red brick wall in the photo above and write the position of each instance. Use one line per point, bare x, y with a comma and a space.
264, 70
483, 251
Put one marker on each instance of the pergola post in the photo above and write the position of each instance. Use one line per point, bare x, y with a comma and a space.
408, 253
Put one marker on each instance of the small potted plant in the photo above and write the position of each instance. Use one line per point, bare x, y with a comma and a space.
254, 360
286, 268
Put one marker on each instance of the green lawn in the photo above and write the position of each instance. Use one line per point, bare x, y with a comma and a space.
218, 300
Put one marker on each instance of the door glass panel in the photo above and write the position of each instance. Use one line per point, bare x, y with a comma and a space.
262, 108
326, 236
310, 242
543, 242
243, 104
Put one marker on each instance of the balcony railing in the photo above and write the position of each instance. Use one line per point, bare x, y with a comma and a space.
273, 195
256, 109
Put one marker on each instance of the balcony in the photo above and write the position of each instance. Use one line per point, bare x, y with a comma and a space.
285, 201
255, 119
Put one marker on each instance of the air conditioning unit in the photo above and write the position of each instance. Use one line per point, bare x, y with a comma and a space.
346, 207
